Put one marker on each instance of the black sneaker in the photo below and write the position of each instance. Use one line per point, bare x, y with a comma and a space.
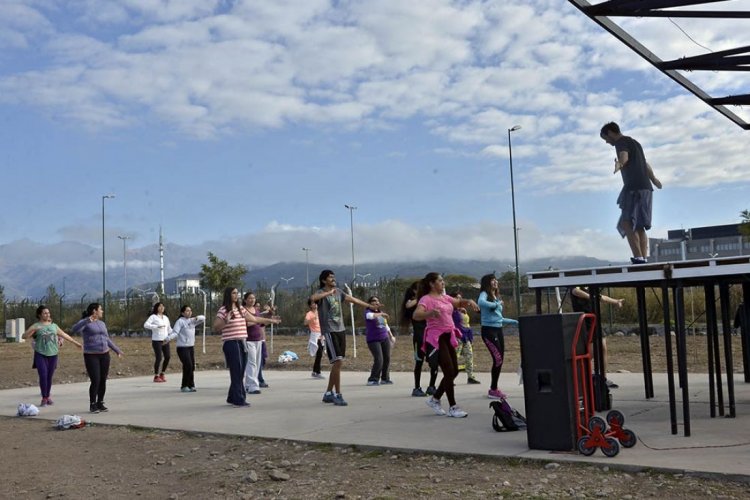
94, 408
431, 390
102, 407
472, 380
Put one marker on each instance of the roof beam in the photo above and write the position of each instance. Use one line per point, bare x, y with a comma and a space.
593, 12
653, 8
724, 60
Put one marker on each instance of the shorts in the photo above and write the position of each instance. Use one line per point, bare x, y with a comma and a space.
335, 346
636, 209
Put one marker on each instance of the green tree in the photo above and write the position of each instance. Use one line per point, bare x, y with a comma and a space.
218, 274
745, 223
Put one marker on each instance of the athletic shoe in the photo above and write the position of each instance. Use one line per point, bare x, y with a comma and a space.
472, 380
496, 394
329, 397
610, 384
418, 392
318, 375
157, 378
44, 402
638, 260
256, 391
386, 382
93, 408
193, 389
49, 402
244, 404
372, 382
435, 405
431, 390
338, 400
456, 412
101, 406
185, 389
162, 378
263, 385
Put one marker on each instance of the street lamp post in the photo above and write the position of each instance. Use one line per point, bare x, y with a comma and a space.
104, 268
125, 269
307, 266
515, 228
351, 209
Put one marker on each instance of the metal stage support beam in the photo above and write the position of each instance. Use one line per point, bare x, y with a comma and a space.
674, 277
735, 59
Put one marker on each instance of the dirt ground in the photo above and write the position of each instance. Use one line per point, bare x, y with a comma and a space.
122, 462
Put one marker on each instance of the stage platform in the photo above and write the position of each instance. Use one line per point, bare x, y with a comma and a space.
671, 278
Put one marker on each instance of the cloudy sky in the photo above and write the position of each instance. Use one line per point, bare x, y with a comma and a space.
245, 126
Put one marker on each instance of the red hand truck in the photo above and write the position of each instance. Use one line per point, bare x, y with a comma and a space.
594, 434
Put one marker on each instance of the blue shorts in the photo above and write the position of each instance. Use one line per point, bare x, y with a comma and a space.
636, 209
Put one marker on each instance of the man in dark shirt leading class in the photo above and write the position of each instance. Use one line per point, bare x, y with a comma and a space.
635, 197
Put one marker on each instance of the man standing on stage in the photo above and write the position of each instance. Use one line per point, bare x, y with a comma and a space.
635, 198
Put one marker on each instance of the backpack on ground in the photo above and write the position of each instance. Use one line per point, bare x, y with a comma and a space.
506, 418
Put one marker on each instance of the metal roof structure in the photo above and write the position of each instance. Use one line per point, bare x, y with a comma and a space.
735, 59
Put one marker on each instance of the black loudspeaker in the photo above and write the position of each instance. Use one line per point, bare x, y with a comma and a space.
546, 354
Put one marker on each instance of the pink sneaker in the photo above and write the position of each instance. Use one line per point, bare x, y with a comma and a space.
496, 394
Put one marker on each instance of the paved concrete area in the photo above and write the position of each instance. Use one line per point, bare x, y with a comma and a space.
387, 416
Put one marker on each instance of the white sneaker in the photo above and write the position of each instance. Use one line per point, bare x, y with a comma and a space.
435, 405
456, 412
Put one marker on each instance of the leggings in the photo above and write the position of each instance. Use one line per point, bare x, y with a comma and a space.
46, 366
466, 350
160, 349
495, 342
97, 366
187, 358
445, 357
419, 357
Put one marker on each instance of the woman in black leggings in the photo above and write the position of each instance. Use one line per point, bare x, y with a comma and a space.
441, 337
160, 328
96, 346
407, 311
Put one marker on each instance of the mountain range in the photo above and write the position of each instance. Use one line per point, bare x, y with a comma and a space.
28, 268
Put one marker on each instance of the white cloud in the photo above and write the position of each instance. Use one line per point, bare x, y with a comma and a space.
467, 70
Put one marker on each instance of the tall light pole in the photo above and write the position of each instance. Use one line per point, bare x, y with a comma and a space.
351, 209
104, 265
307, 266
125, 269
515, 229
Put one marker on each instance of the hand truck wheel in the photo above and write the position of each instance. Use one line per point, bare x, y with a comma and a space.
612, 448
584, 448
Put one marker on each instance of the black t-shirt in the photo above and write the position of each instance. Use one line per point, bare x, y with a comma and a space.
635, 172
580, 305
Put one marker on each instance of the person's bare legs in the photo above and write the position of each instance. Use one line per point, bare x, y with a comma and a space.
643, 241
634, 238
334, 379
